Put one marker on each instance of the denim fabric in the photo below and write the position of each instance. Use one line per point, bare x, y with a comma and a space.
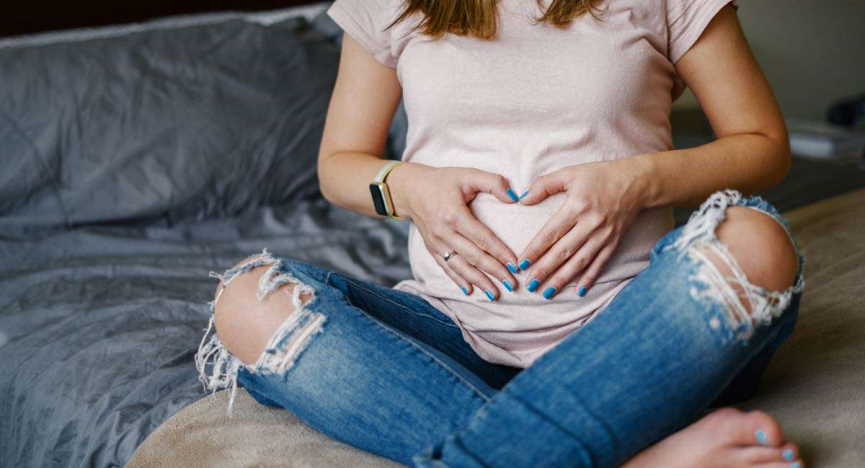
390, 374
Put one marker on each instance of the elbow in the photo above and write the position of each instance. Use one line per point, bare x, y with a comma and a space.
785, 156
781, 156
322, 174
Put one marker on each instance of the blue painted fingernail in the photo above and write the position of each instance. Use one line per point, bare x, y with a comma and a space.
524, 194
513, 195
795, 465
508, 285
533, 284
465, 291
489, 295
582, 291
548, 293
788, 455
525, 263
761, 437
512, 268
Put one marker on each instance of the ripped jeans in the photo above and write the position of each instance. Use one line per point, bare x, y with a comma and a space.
384, 371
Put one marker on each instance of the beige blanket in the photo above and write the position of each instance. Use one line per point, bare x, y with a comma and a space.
815, 385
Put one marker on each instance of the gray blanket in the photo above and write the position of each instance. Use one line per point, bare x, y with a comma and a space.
133, 161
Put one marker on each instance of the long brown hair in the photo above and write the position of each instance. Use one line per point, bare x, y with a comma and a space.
478, 17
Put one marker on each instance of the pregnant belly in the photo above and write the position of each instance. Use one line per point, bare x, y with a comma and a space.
516, 225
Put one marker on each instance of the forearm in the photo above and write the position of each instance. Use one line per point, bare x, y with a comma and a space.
344, 179
749, 163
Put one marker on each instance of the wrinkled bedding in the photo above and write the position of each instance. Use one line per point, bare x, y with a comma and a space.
101, 324
133, 161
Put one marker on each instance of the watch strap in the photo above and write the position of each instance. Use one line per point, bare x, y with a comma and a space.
384, 171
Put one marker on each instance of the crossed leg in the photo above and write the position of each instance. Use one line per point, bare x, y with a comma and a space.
754, 245
728, 437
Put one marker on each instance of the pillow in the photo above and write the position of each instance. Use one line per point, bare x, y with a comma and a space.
187, 122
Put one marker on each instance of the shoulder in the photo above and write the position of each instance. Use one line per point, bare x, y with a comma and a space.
686, 20
370, 23
675, 25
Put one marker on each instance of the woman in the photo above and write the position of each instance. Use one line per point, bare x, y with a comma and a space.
570, 325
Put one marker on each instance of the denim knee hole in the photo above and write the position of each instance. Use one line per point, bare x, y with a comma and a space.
284, 346
698, 235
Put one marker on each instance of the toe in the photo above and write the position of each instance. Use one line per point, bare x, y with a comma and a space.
745, 428
756, 454
786, 464
760, 428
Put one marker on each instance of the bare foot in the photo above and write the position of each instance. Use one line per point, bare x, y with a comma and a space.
724, 438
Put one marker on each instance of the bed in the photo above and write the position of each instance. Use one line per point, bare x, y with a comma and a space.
138, 158
814, 384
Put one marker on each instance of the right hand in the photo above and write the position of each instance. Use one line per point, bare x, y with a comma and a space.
436, 199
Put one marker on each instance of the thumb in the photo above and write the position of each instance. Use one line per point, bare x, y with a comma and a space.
543, 187
494, 184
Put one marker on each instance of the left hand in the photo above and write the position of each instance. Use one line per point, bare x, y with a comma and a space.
602, 200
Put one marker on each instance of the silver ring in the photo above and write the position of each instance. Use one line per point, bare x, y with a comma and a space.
450, 254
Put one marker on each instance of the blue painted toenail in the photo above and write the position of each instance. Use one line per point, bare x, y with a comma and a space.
788, 454
533, 284
525, 263
795, 465
548, 293
512, 268
508, 285
465, 291
582, 291
761, 437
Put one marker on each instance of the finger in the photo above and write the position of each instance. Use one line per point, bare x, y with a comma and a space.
475, 276
559, 224
478, 233
478, 180
480, 259
458, 264
543, 187
578, 249
437, 249
460, 281
588, 278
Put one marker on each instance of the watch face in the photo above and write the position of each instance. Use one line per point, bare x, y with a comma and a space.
378, 199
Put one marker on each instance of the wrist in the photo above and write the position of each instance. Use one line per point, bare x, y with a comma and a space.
399, 182
646, 176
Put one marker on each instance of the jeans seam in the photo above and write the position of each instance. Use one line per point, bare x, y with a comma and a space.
403, 338
403, 306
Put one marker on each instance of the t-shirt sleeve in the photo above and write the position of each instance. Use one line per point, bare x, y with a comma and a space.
365, 21
686, 21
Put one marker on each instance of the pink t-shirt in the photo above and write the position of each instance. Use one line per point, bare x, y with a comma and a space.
535, 99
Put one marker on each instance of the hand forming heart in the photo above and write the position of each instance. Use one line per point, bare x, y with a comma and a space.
602, 199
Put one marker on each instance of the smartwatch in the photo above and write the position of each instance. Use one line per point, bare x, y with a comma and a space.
381, 198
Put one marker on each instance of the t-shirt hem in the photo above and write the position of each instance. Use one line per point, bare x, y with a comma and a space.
683, 43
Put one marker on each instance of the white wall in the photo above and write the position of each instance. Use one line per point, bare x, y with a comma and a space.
812, 51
